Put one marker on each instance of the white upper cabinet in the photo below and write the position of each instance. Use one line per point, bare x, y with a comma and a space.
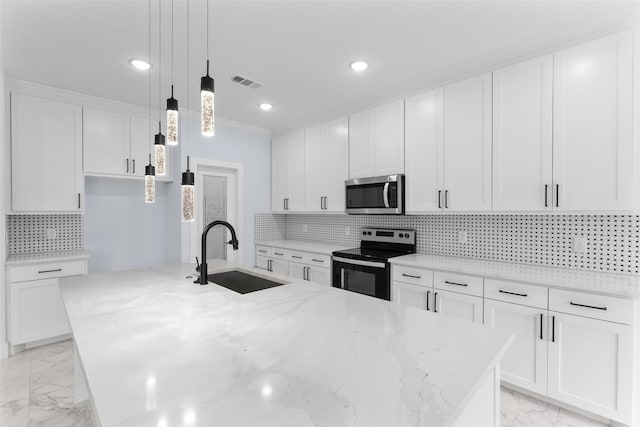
287, 175
424, 151
522, 136
142, 139
46, 155
592, 130
376, 141
325, 166
295, 200
467, 144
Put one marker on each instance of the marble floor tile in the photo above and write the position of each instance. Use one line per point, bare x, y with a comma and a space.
14, 413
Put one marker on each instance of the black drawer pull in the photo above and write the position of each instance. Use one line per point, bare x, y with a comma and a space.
412, 276
262, 251
428, 292
296, 257
317, 260
278, 253
454, 283
513, 293
587, 306
49, 271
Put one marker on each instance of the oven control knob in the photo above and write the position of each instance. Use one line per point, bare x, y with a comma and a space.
364, 233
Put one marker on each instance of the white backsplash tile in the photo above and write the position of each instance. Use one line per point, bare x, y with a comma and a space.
28, 233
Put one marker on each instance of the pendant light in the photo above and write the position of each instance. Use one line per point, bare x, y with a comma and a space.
188, 177
150, 171
172, 103
159, 145
207, 103
159, 140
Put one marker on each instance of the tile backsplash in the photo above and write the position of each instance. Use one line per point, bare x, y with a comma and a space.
28, 233
613, 241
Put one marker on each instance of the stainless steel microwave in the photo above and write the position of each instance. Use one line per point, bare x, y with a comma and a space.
380, 195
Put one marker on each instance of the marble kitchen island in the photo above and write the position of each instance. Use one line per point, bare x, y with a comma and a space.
158, 350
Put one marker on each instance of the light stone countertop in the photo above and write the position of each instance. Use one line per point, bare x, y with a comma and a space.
38, 257
297, 245
159, 350
578, 280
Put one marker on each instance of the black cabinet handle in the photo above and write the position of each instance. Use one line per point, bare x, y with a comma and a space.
78, 200
454, 283
133, 162
541, 316
553, 328
278, 253
513, 293
127, 165
296, 257
546, 195
262, 251
49, 271
428, 293
412, 276
439, 199
557, 195
587, 306
435, 302
446, 199
317, 260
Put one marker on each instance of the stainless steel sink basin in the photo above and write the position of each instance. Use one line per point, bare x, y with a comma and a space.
242, 282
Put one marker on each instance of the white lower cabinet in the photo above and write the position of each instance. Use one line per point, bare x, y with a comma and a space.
307, 266
273, 264
590, 365
310, 273
460, 306
411, 295
525, 364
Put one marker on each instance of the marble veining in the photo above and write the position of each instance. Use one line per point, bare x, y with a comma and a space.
299, 354
577, 280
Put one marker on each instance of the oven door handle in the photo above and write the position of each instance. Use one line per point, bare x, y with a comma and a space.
385, 195
359, 262
342, 278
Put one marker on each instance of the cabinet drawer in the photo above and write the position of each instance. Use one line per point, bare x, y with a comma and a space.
280, 253
319, 260
23, 273
297, 256
601, 307
517, 293
263, 250
416, 276
461, 283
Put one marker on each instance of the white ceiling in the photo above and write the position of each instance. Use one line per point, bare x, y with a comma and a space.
299, 50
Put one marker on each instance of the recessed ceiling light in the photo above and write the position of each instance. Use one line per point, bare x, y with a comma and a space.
140, 64
359, 66
265, 106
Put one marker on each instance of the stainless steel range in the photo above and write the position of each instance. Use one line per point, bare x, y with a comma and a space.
366, 269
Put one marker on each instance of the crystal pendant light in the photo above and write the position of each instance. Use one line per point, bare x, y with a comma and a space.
188, 194
207, 103
150, 183
172, 103
159, 145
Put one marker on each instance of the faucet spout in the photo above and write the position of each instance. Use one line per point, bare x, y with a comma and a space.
234, 242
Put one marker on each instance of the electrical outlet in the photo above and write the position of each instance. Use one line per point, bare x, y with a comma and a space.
579, 245
347, 231
52, 234
305, 228
463, 237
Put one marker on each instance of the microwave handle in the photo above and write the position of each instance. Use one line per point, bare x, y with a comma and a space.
385, 194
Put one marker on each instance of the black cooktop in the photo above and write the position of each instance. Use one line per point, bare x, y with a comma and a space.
368, 254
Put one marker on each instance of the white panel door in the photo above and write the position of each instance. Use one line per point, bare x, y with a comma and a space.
361, 145
457, 305
296, 171
262, 262
522, 131
142, 139
106, 142
424, 151
592, 148
411, 295
37, 311
336, 164
467, 142
279, 172
297, 270
314, 168
321, 276
389, 139
590, 365
525, 363
46, 155
280, 266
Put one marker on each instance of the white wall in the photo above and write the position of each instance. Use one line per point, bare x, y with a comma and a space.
122, 232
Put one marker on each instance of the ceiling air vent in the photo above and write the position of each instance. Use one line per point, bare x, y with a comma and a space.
246, 82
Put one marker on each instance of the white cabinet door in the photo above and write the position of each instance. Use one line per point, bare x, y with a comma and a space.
280, 266
279, 173
46, 155
525, 364
336, 165
142, 139
297, 270
314, 168
590, 365
457, 305
389, 139
411, 295
296, 172
592, 131
321, 276
37, 311
361, 144
522, 131
424, 151
467, 142
106, 142
262, 262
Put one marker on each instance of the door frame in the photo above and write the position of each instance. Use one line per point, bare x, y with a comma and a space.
203, 166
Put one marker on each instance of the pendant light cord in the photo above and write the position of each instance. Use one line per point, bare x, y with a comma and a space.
171, 48
187, 112
150, 131
159, 64
207, 33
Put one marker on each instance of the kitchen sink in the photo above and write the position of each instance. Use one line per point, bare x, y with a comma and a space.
241, 282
